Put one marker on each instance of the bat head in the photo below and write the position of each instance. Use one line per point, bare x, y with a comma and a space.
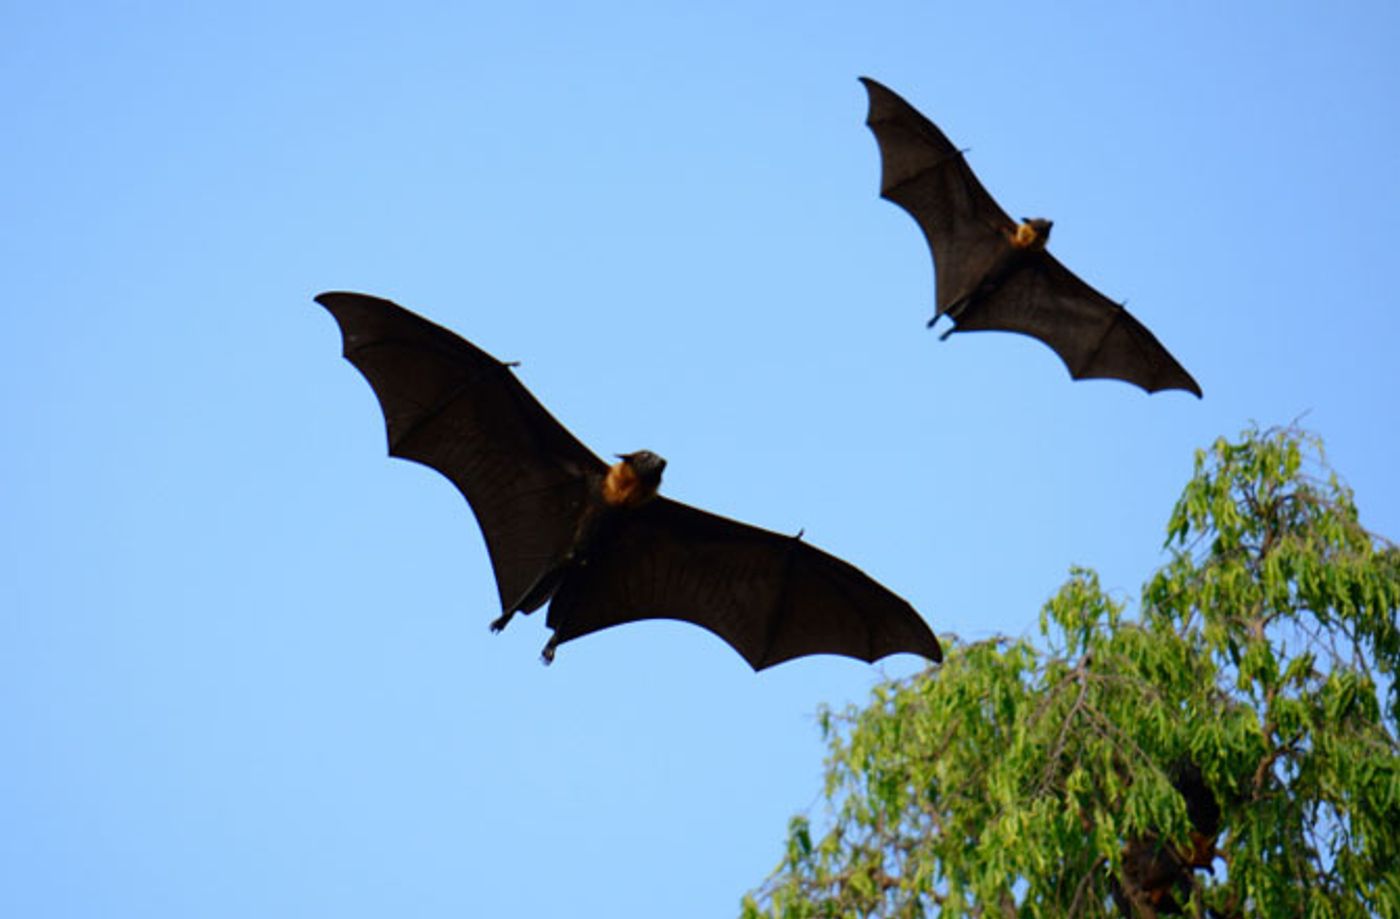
647, 466
1040, 225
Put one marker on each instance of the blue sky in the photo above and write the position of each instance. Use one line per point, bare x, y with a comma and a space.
244, 659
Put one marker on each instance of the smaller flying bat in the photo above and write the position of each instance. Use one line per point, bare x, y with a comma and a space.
593, 540
994, 273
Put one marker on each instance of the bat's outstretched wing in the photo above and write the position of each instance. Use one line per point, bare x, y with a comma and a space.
922, 172
771, 597
449, 405
1095, 337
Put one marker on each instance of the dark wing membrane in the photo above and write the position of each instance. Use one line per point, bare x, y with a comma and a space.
1095, 337
925, 174
449, 405
771, 597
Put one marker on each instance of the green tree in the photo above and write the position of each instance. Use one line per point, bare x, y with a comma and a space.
1244, 723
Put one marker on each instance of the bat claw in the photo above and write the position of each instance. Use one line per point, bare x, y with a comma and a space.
547, 655
500, 622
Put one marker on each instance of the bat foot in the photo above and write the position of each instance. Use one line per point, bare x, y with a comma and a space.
500, 622
951, 329
547, 655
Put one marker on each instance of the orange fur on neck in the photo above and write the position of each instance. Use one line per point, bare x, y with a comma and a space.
622, 488
1026, 237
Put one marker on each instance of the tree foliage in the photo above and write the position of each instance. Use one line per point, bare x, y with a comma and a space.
1054, 778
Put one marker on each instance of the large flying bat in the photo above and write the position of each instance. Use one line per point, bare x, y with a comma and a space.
595, 541
994, 273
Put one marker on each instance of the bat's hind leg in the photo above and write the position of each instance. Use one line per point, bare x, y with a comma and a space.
534, 596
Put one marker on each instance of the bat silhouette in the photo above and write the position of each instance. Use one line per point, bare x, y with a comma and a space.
994, 273
1156, 877
595, 541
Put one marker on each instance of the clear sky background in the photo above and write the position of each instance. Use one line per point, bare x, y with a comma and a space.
244, 660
